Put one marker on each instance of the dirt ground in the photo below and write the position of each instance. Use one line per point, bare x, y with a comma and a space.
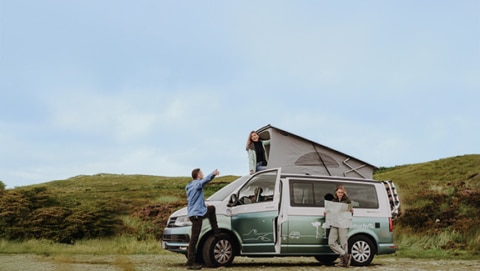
26, 262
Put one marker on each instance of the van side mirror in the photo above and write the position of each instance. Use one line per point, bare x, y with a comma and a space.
233, 200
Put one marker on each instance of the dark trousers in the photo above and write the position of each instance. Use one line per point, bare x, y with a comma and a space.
196, 227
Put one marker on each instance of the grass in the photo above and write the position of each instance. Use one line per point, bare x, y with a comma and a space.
119, 245
440, 202
129, 254
441, 246
414, 246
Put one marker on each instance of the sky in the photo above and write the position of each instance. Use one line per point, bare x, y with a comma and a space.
162, 87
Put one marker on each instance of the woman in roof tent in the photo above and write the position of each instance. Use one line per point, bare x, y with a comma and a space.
257, 157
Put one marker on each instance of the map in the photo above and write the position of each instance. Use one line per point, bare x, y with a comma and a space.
338, 214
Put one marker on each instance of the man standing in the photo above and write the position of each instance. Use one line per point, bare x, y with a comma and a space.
197, 211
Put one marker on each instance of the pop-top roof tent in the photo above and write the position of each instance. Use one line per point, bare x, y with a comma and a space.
295, 154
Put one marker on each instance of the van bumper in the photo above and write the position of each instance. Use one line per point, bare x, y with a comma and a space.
176, 239
387, 249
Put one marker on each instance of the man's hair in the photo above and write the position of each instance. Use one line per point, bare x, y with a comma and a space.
328, 196
195, 173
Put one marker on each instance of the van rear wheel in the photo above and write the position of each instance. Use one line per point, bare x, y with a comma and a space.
362, 250
218, 251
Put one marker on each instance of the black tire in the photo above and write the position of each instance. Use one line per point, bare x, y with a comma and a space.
362, 250
198, 258
326, 259
218, 251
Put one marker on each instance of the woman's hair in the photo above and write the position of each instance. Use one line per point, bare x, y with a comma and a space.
249, 140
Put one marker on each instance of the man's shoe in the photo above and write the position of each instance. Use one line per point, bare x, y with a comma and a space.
194, 267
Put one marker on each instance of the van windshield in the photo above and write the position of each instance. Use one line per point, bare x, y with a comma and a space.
227, 190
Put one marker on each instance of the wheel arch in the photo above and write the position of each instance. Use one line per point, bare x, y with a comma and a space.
235, 241
366, 235
362, 249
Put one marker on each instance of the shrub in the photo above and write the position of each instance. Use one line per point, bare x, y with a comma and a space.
34, 213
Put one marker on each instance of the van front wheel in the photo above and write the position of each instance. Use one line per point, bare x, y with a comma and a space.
362, 250
218, 251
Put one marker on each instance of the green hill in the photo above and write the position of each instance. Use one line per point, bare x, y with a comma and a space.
101, 205
440, 201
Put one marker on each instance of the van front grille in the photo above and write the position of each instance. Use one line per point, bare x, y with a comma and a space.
176, 238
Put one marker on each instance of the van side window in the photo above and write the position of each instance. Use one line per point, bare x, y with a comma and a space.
309, 193
259, 189
362, 195
304, 193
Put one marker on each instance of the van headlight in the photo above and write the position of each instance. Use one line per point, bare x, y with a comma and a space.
182, 221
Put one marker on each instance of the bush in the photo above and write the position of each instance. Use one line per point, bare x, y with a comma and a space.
34, 213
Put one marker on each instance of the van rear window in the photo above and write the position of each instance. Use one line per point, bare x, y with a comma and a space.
305, 193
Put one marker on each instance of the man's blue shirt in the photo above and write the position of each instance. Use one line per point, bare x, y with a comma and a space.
195, 196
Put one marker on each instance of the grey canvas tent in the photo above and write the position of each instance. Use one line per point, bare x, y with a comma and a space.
295, 154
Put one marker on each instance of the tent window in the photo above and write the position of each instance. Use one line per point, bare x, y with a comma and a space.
313, 159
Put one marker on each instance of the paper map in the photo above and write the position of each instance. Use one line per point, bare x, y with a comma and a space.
338, 214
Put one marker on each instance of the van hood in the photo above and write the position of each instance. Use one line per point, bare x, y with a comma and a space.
180, 212
183, 211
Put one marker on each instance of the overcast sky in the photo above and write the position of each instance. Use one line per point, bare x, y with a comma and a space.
161, 87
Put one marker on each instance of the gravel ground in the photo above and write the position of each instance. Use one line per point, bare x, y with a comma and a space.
27, 262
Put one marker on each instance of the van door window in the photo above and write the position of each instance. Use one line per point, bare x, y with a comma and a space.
259, 189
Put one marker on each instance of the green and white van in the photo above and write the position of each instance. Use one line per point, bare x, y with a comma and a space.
275, 214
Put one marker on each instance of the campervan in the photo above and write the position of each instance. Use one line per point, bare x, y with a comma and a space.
274, 214
280, 211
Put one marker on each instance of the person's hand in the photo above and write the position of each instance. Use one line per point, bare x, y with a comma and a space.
216, 172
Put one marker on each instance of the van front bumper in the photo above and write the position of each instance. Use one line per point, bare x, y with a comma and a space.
176, 239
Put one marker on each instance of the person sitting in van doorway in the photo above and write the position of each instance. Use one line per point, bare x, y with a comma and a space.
339, 233
197, 210
257, 157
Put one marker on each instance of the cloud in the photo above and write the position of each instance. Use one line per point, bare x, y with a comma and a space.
94, 113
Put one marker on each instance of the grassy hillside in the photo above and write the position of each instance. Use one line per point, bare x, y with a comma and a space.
102, 205
440, 205
440, 202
